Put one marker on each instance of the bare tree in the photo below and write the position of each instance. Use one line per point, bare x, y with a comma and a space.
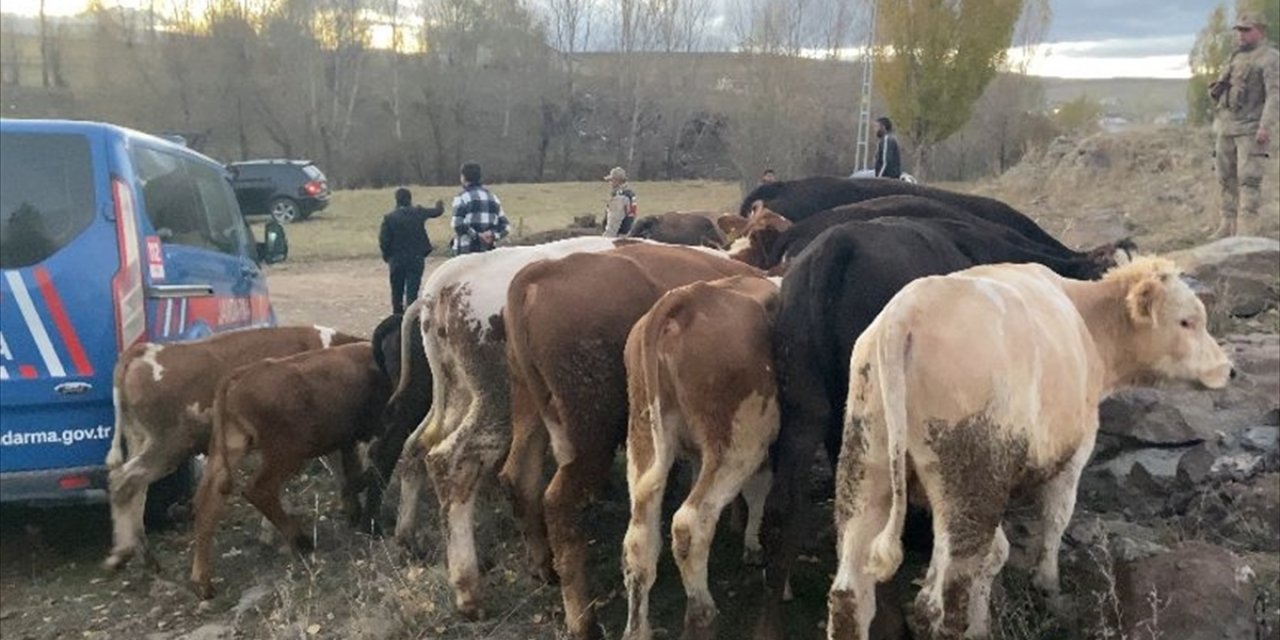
570, 23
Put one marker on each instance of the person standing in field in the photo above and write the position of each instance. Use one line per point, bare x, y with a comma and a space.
888, 154
620, 210
1247, 97
405, 245
478, 220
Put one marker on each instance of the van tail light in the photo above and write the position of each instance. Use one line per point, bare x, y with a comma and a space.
126, 287
313, 188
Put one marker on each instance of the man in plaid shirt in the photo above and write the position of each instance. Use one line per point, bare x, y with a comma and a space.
478, 220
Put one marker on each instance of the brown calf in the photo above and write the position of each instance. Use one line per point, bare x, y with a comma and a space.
567, 322
164, 397
291, 409
700, 381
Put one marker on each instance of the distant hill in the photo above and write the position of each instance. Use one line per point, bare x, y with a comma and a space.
1136, 98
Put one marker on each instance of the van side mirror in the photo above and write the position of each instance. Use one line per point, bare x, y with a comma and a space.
275, 246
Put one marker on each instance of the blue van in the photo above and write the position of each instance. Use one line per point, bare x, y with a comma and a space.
107, 237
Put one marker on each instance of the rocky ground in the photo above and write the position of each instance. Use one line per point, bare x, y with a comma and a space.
1176, 534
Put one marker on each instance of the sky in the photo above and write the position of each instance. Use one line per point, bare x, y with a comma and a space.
1086, 39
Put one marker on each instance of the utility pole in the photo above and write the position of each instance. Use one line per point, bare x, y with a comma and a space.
864, 100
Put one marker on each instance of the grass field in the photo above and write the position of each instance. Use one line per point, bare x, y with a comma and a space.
348, 228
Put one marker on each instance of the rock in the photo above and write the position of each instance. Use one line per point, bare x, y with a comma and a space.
1158, 416
1255, 510
1260, 439
1241, 269
1241, 466
1256, 357
1125, 541
1195, 591
1096, 229
210, 632
1174, 413
1141, 467
1195, 466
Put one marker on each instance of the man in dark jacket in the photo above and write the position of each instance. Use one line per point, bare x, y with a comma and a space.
404, 244
888, 156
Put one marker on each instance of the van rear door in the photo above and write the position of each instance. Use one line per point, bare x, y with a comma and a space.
201, 276
58, 254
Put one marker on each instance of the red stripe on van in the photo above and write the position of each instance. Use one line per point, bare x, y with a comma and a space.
68, 333
27, 371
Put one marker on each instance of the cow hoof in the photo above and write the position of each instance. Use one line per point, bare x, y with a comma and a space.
204, 590
753, 557
117, 561
303, 543
471, 611
699, 622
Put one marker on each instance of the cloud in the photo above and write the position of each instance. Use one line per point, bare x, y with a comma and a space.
1080, 20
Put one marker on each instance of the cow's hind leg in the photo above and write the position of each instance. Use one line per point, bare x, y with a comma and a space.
574, 483
264, 490
351, 483
211, 497
1057, 500
979, 614
521, 476
413, 478
457, 467
648, 467
694, 526
128, 486
864, 497
754, 493
968, 498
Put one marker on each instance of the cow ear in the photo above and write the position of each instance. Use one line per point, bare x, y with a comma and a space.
731, 224
1142, 300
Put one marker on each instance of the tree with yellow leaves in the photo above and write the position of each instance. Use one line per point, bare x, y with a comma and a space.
934, 58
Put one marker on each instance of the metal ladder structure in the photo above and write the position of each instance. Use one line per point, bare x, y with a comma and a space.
863, 148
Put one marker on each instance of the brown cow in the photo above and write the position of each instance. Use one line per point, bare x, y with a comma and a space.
163, 397
694, 228
291, 409
980, 385
567, 322
700, 380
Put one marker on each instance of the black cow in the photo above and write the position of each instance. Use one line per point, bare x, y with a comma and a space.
675, 227
777, 247
800, 199
405, 363
830, 294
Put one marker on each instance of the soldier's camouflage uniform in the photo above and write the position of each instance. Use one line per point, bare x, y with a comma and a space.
1249, 99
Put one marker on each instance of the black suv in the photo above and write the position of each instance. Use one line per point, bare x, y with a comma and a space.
287, 190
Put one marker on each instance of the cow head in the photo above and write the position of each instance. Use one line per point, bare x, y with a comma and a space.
755, 243
1170, 337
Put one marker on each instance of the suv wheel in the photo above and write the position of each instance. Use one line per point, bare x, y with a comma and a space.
284, 210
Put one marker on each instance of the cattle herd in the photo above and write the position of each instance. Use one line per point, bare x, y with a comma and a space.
943, 349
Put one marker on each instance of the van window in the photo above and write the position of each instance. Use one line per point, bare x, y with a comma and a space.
46, 195
188, 202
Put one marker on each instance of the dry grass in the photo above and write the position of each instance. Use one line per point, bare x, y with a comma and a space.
348, 228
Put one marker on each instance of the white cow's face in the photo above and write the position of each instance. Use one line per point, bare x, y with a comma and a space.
1171, 334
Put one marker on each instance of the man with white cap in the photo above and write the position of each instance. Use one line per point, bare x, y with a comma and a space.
620, 211
1247, 95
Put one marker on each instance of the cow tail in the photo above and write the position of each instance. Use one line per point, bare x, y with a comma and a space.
891, 357
116, 455
218, 435
660, 322
408, 324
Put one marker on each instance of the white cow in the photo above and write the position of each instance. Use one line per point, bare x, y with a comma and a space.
987, 381
468, 428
